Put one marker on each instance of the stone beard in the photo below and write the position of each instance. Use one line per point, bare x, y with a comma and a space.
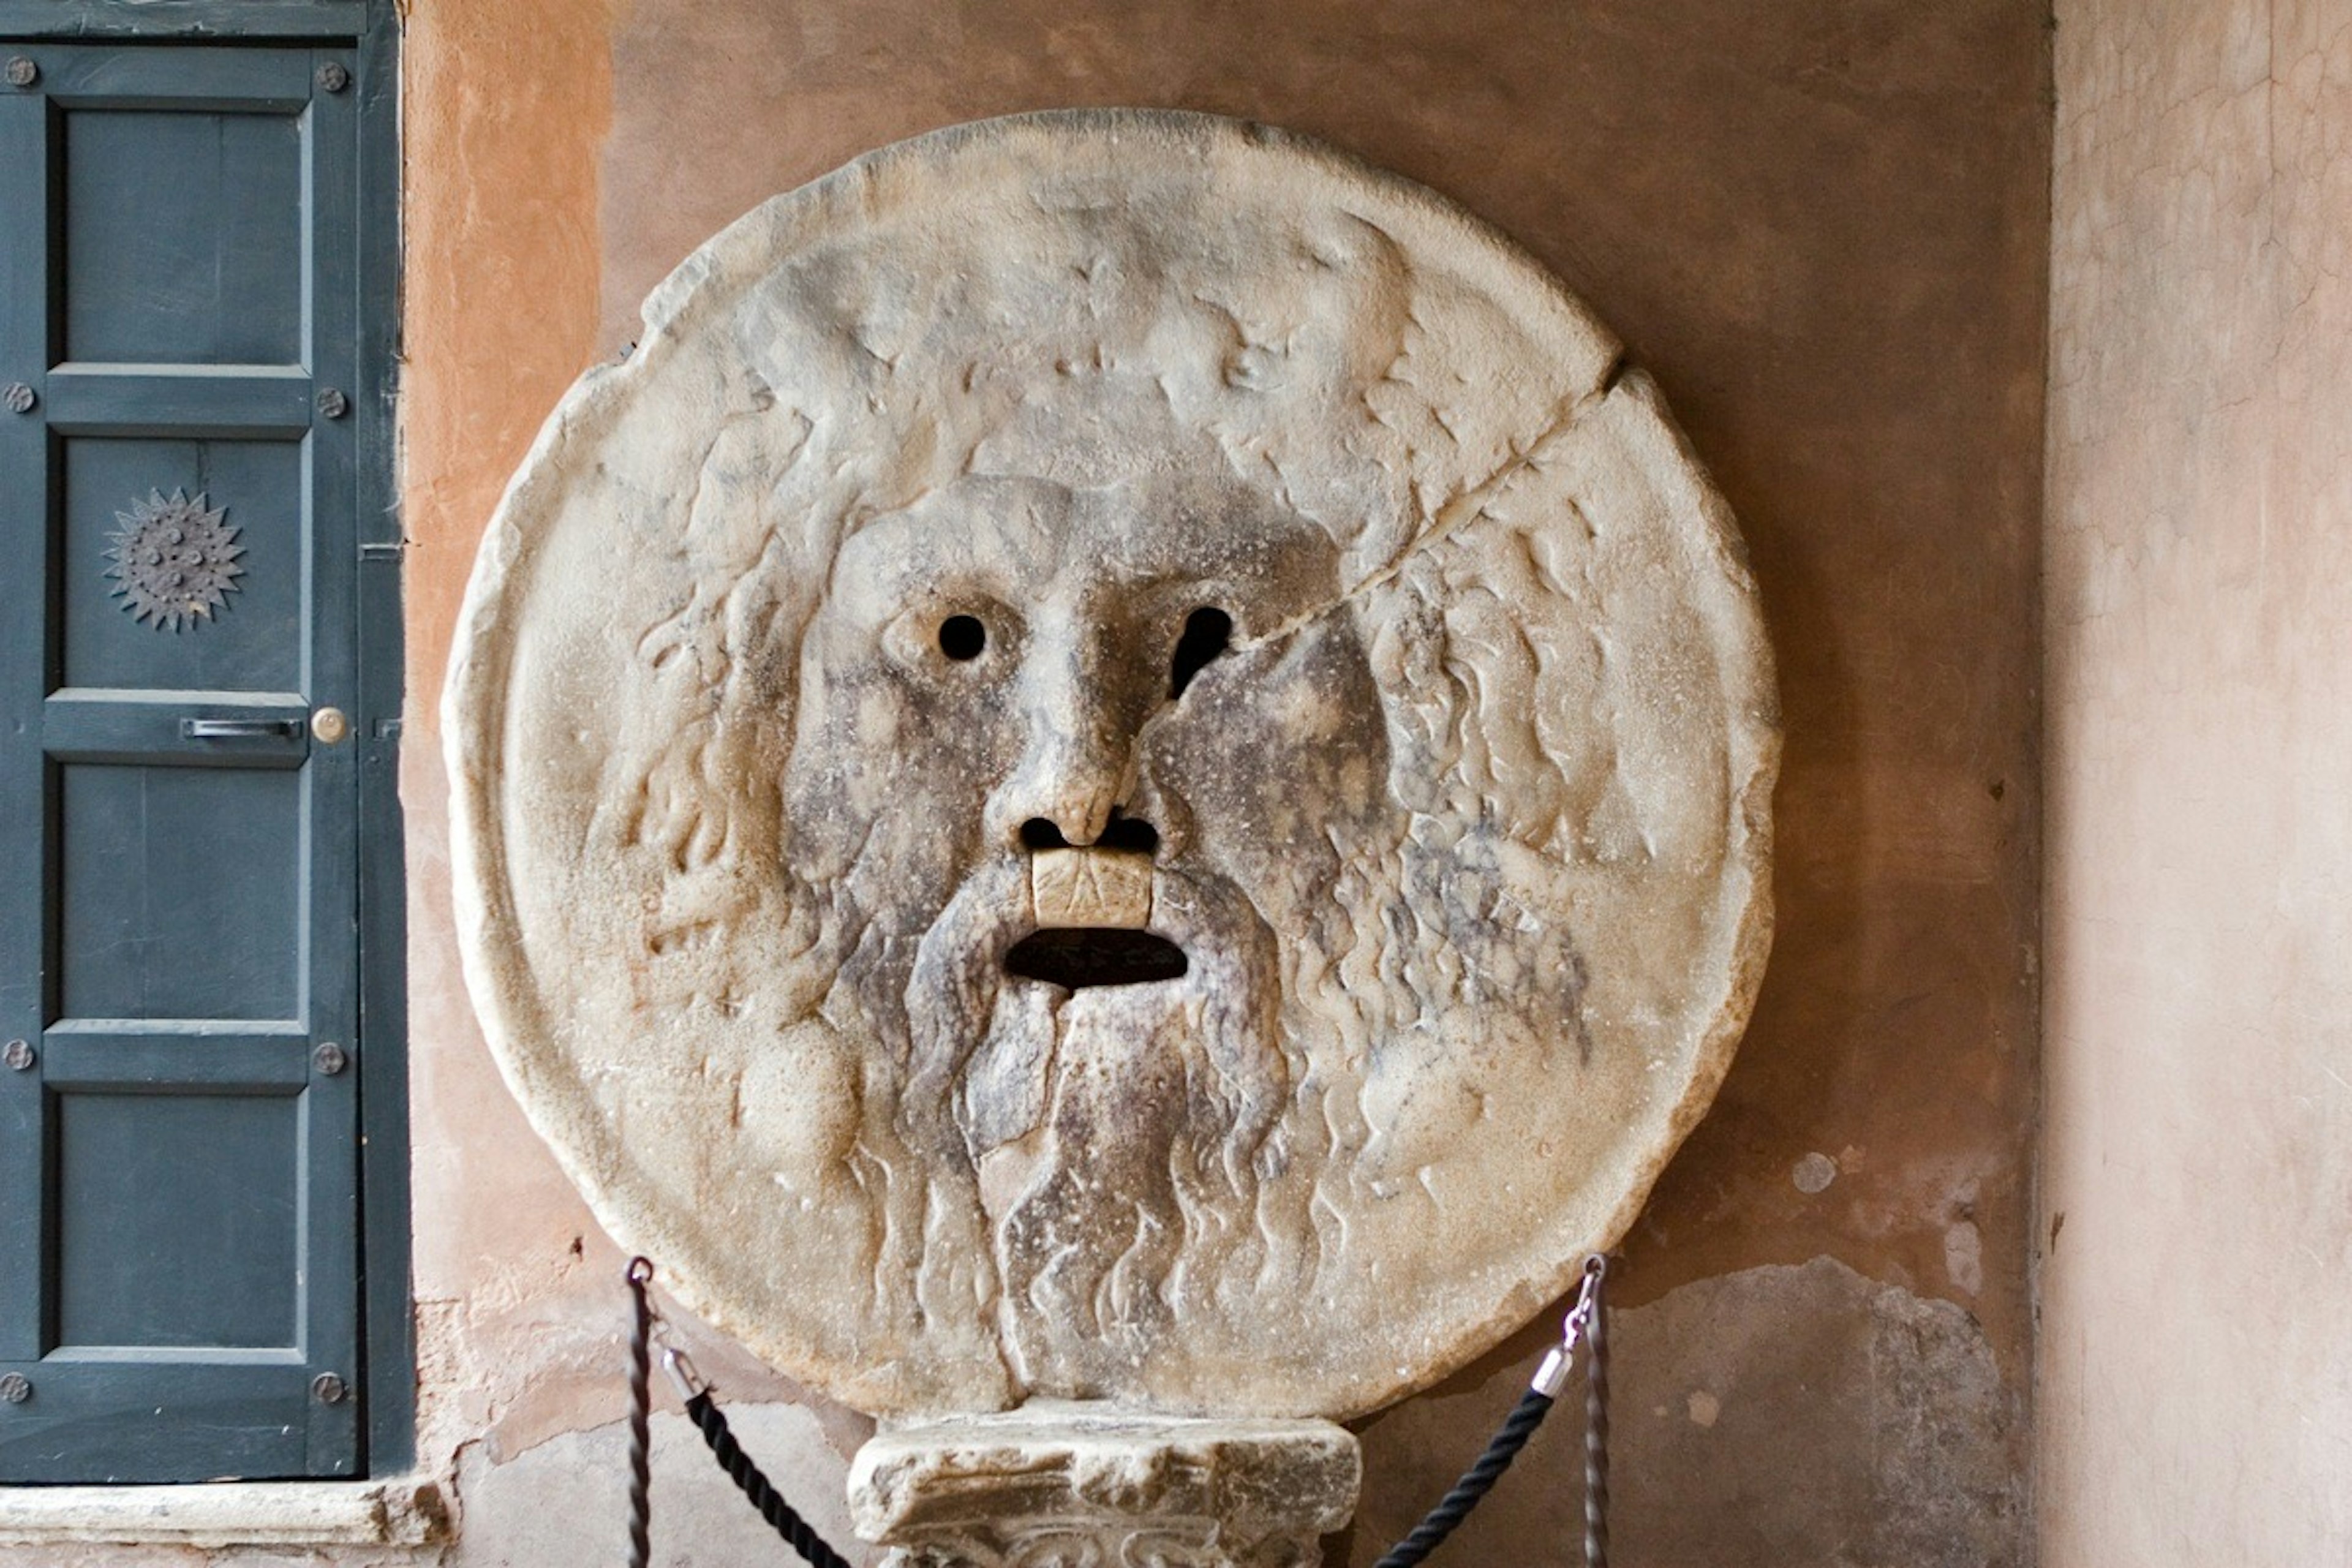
1123, 762
1142, 673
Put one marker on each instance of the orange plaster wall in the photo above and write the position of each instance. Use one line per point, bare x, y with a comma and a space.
506, 104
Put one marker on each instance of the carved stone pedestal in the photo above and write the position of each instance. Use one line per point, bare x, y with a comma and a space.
1075, 1487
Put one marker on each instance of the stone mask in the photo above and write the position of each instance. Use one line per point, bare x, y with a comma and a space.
1118, 737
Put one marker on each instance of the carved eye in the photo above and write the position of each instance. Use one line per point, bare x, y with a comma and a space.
961, 637
1206, 632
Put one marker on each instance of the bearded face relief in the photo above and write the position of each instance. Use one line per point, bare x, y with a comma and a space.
1179, 752
1065, 759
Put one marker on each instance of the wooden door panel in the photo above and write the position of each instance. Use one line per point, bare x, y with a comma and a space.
182, 1299
182, 728
178, 1219
183, 237
180, 894
253, 640
224, 1417
103, 398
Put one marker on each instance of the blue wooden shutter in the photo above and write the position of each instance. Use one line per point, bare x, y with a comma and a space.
179, 842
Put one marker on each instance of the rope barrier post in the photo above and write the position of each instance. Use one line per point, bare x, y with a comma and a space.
1596, 1419
641, 1462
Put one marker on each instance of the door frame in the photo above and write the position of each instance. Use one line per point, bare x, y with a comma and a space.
370, 29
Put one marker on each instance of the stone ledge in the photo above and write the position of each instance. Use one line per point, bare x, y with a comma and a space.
395, 1512
1096, 1484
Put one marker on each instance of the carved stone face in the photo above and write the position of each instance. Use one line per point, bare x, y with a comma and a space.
1175, 757
1079, 750
995, 670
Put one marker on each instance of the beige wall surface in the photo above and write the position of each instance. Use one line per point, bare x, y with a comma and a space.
1823, 227
2196, 1384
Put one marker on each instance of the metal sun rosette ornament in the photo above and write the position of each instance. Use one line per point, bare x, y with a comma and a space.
174, 560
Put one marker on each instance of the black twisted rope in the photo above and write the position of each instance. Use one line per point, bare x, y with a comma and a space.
641, 1458
1476, 1482
764, 1496
1588, 1325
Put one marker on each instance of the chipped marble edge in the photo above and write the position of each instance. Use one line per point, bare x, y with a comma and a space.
391, 1512
1050, 1421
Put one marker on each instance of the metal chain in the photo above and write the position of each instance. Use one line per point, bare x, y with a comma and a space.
641, 1398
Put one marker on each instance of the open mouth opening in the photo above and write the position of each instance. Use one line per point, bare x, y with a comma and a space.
1076, 957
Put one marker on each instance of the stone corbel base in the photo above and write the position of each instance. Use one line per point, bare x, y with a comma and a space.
1074, 1487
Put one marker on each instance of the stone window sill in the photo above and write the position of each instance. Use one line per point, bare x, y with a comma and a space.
395, 1512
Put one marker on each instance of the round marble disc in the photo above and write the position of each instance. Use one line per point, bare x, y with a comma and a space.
1122, 762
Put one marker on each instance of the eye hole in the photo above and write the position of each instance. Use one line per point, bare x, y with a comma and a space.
961, 637
1206, 632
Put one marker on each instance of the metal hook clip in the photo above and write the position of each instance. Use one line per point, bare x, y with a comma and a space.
1552, 1375
682, 1373
683, 1376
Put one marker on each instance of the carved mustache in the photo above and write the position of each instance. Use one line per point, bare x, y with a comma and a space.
1228, 985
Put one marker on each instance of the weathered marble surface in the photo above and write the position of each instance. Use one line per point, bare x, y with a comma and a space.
1463, 833
1065, 1488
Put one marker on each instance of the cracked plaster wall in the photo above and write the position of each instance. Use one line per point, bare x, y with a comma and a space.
2196, 1401
1823, 228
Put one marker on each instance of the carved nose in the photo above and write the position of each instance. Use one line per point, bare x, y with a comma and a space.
1071, 788
1084, 699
